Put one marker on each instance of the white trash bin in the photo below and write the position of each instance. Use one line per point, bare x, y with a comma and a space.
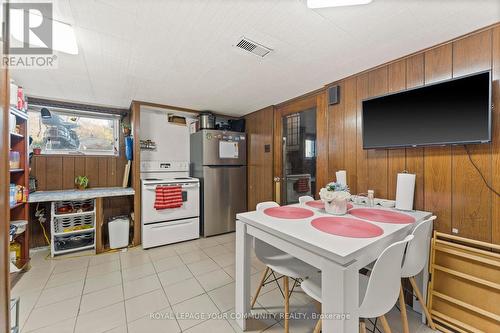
118, 230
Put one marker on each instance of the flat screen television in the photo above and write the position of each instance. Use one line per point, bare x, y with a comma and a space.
456, 111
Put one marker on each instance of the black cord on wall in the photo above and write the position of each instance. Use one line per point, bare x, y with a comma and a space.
480, 173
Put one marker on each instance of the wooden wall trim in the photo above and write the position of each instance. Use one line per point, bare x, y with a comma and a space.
4, 202
135, 121
488, 27
163, 106
76, 106
495, 161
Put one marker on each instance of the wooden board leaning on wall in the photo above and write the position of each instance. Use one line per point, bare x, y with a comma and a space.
465, 285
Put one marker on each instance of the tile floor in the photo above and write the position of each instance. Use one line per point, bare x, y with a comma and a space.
140, 291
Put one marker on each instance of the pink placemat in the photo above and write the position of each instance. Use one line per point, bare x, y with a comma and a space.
382, 216
347, 227
289, 212
321, 205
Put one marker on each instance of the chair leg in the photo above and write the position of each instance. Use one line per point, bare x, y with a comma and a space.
421, 300
362, 326
402, 305
317, 328
287, 302
385, 324
260, 287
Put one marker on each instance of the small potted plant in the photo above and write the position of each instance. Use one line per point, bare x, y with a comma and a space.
126, 129
82, 182
37, 149
335, 197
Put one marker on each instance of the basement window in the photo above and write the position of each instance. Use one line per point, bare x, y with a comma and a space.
74, 132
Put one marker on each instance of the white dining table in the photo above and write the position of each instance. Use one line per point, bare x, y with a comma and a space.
339, 259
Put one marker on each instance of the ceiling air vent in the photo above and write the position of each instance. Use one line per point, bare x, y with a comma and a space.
253, 47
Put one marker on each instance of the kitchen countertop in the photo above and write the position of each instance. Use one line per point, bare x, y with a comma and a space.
99, 192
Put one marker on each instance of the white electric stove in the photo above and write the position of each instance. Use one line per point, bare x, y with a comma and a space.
166, 226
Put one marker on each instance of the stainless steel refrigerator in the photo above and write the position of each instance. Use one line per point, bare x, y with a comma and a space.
218, 159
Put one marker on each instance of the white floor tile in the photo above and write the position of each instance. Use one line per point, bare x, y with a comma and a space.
104, 258
52, 314
119, 329
141, 286
224, 260
194, 311
254, 325
175, 275
213, 325
214, 251
204, 243
107, 267
184, 290
204, 266
71, 265
135, 260
60, 293
152, 278
146, 304
215, 279
193, 256
101, 320
102, 282
28, 301
162, 322
223, 297
167, 263
137, 272
66, 277
65, 326
162, 252
229, 237
100, 299
231, 270
186, 247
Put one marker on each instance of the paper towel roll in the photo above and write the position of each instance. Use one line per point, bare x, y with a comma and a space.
341, 177
405, 189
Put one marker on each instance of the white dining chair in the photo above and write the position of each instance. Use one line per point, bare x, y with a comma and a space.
280, 262
415, 260
378, 293
305, 198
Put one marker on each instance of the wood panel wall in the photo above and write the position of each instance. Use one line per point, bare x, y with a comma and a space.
259, 127
447, 184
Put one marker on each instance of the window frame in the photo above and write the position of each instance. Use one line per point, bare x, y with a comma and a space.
116, 118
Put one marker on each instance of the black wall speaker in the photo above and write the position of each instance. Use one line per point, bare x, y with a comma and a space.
333, 95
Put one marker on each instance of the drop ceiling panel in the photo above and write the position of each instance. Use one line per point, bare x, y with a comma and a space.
181, 52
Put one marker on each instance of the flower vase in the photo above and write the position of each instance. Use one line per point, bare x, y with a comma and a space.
336, 206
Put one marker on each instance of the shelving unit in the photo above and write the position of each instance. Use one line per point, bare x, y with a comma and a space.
20, 176
82, 214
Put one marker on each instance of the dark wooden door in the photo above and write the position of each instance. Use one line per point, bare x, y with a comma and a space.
300, 148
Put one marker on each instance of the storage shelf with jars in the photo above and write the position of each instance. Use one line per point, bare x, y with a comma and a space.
19, 185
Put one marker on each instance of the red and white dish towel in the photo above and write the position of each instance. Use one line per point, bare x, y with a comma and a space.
168, 197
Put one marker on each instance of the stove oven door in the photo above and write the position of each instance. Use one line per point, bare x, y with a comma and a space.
190, 206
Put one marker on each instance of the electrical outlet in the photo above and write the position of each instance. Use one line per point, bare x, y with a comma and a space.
454, 230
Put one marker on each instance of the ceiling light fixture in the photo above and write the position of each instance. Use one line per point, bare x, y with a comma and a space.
335, 3
63, 35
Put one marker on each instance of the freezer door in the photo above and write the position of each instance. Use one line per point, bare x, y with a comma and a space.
213, 147
224, 196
